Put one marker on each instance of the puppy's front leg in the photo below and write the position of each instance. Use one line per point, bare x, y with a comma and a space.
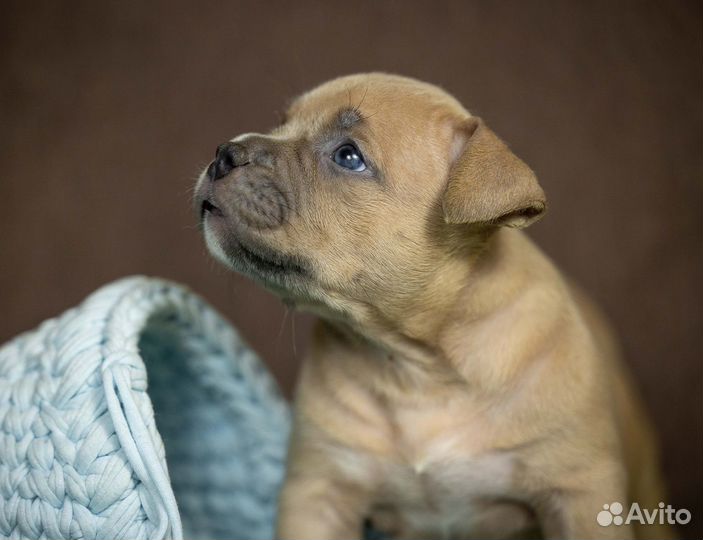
318, 501
319, 507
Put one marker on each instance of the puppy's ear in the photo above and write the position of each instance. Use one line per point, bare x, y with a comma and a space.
488, 183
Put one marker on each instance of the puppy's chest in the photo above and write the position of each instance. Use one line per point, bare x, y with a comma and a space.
432, 454
436, 463
443, 471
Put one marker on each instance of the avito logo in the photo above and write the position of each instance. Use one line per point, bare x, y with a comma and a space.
664, 514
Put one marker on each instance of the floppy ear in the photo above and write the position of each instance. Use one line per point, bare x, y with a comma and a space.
488, 183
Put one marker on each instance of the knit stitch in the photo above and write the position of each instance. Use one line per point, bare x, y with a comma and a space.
82, 454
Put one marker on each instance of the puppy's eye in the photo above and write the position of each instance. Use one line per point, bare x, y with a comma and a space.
349, 157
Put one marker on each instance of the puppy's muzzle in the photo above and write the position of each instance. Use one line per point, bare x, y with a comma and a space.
242, 184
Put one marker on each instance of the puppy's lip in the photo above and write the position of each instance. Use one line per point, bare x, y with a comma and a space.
250, 255
267, 262
208, 208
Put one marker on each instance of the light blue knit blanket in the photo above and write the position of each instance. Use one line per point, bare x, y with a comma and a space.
138, 414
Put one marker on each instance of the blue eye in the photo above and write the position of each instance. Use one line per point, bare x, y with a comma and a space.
349, 157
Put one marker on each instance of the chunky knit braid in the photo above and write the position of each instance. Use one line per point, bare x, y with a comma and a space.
80, 453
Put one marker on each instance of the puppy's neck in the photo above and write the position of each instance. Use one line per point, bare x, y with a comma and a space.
457, 304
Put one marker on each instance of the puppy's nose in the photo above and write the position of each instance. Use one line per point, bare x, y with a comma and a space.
228, 156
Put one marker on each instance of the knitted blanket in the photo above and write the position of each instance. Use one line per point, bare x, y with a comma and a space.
139, 414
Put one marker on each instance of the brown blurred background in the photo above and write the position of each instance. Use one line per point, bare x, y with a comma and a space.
109, 110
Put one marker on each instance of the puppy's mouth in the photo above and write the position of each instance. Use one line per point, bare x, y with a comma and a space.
269, 264
208, 208
233, 242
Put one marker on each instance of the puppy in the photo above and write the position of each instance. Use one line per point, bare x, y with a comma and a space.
457, 384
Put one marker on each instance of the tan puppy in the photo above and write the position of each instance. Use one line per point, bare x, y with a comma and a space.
457, 385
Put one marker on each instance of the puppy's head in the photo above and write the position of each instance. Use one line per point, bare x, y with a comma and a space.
370, 185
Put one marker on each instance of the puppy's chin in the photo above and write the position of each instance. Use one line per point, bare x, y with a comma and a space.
214, 246
284, 274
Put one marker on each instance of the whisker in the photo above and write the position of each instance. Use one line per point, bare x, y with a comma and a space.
368, 116
356, 109
283, 322
295, 351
